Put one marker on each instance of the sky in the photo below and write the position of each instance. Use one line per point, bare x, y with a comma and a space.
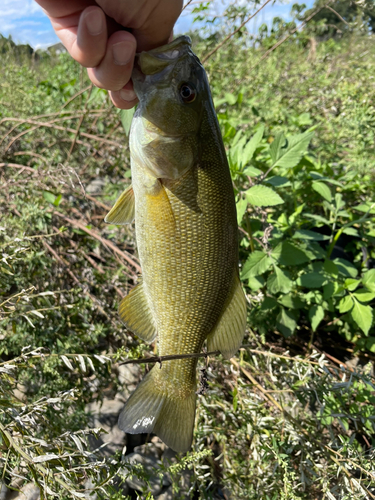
27, 23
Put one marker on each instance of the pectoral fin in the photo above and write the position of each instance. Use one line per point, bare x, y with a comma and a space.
229, 331
123, 210
160, 211
136, 314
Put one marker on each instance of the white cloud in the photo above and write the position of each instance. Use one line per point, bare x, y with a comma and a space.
14, 8
26, 22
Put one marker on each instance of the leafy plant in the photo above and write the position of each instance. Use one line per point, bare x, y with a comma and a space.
293, 262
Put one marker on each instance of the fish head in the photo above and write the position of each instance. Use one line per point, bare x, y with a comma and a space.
172, 89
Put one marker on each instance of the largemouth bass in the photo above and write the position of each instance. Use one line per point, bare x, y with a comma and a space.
186, 230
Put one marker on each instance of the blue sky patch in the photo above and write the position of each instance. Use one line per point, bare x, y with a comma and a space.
26, 22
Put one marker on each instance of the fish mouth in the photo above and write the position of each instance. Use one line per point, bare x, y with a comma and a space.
152, 67
156, 60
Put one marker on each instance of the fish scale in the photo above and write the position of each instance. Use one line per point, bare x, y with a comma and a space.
185, 219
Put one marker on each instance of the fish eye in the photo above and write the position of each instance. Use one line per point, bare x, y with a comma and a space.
188, 92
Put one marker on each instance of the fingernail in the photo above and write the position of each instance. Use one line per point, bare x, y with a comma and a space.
94, 22
123, 52
127, 95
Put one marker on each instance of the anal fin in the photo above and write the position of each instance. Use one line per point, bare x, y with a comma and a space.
136, 314
229, 331
123, 210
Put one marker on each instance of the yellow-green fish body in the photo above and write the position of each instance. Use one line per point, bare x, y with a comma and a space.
186, 231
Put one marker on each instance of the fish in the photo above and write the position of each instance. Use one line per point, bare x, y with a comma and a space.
182, 201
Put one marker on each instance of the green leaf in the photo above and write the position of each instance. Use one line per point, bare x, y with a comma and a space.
297, 146
268, 304
346, 268
256, 282
328, 290
252, 171
351, 284
345, 304
364, 295
126, 116
276, 145
291, 301
50, 197
97, 94
230, 98
241, 206
286, 322
58, 200
278, 180
370, 344
330, 267
294, 216
263, 196
323, 190
279, 281
289, 255
351, 231
318, 218
368, 280
362, 315
316, 314
311, 280
251, 146
257, 263
366, 207
305, 234
312, 249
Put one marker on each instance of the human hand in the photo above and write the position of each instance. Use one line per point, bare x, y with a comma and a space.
93, 34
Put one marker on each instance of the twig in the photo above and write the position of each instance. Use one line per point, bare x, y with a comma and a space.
186, 5
75, 96
233, 33
289, 35
338, 15
11, 443
22, 121
73, 276
64, 129
87, 257
289, 417
80, 122
30, 153
102, 240
97, 202
169, 357
22, 292
17, 165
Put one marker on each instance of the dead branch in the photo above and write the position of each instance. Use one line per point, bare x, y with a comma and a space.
73, 276
233, 33
302, 25
107, 243
64, 129
80, 122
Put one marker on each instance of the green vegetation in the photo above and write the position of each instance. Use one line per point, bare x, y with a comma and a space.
289, 418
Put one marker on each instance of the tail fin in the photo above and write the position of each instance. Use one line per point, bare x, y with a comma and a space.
153, 408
